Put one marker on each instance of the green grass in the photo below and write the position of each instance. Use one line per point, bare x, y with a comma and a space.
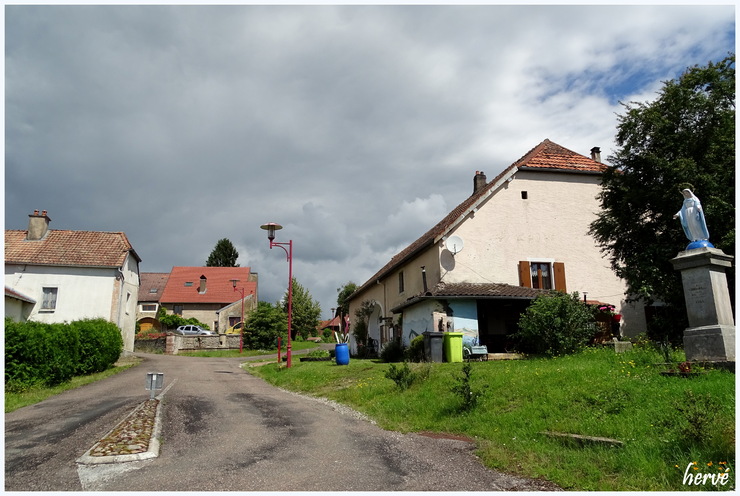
594, 393
296, 346
14, 401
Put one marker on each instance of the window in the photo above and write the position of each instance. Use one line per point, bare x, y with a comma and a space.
542, 275
400, 282
177, 310
153, 291
147, 307
49, 301
128, 302
188, 284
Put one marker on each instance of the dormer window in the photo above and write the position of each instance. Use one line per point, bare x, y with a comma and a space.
189, 284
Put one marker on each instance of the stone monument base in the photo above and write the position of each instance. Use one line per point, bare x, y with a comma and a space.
712, 343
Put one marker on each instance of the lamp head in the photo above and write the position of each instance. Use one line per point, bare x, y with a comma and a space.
271, 227
233, 282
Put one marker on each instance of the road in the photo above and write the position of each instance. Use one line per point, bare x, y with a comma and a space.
225, 430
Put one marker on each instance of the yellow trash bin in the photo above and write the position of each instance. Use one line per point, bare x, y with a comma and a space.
453, 346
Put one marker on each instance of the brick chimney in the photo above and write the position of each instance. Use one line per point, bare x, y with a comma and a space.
479, 181
596, 154
38, 225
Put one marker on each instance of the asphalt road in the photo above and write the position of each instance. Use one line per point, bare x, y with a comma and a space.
225, 430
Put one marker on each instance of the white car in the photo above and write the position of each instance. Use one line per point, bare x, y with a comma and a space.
192, 330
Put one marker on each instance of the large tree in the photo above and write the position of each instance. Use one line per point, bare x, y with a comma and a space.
343, 302
683, 139
306, 311
223, 255
264, 324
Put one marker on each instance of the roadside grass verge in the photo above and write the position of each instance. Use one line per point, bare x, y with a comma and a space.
14, 401
664, 422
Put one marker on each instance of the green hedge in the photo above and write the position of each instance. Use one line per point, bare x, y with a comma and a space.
50, 354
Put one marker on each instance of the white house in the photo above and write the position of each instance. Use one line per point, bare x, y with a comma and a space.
478, 269
73, 275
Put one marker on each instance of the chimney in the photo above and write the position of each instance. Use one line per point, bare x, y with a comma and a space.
202, 288
479, 181
596, 154
38, 225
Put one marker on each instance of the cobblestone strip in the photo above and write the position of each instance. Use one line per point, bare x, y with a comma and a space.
135, 438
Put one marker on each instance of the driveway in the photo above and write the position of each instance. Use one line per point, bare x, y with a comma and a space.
225, 430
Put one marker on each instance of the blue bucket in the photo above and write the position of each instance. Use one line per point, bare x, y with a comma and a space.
342, 353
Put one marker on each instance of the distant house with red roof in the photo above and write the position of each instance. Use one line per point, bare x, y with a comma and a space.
524, 232
150, 291
208, 294
64, 275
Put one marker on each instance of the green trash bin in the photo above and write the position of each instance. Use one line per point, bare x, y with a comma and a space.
453, 346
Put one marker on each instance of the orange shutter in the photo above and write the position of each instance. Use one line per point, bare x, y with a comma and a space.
559, 273
525, 278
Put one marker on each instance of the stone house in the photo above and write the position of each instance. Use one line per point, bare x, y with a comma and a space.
475, 272
208, 294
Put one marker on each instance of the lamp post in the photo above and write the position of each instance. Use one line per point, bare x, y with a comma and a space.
271, 227
241, 331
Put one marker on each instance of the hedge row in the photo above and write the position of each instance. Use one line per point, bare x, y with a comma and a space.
51, 354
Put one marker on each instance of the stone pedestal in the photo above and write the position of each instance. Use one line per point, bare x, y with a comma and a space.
711, 332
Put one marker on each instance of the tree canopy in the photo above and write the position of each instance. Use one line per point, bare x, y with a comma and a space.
683, 139
306, 311
223, 255
264, 324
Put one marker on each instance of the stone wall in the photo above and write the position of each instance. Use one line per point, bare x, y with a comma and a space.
177, 343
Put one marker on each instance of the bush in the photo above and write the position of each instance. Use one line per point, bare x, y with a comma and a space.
463, 389
51, 354
415, 351
555, 323
402, 376
392, 351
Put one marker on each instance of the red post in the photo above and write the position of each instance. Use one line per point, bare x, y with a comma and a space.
280, 359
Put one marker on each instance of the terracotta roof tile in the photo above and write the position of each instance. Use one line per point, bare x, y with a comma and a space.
69, 248
219, 288
152, 285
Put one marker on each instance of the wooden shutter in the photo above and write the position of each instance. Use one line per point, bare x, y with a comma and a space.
558, 269
525, 278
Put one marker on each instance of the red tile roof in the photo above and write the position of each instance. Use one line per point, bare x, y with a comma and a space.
69, 248
547, 157
152, 285
219, 288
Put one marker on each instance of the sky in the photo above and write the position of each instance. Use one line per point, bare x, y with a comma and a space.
357, 128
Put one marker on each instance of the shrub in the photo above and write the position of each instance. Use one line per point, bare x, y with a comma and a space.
464, 390
555, 323
415, 351
51, 354
402, 376
392, 351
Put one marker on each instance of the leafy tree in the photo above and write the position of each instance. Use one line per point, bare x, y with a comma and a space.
684, 139
306, 311
555, 323
264, 324
223, 255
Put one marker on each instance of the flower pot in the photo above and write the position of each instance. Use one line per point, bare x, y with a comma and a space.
342, 353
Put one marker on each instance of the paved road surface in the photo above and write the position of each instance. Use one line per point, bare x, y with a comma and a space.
225, 430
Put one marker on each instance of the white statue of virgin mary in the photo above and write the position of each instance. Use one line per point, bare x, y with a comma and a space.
692, 217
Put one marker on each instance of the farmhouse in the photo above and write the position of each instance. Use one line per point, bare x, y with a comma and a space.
522, 233
62, 276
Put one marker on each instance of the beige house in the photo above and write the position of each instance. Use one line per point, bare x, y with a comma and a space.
476, 270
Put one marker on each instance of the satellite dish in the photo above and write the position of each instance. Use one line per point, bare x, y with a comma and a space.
454, 244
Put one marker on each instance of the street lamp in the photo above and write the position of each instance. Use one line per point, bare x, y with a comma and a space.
241, 331
271, 227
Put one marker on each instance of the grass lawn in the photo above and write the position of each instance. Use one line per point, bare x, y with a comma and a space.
14, 401
664, 422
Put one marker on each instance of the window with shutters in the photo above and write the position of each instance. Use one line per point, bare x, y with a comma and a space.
49, 301
542, 275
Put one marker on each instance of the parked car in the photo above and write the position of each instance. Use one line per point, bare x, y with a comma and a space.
192, 330
235, 329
